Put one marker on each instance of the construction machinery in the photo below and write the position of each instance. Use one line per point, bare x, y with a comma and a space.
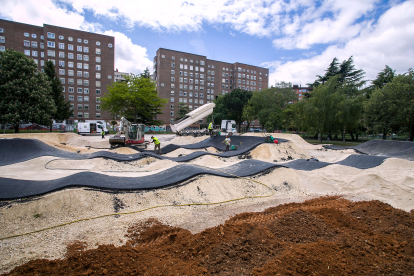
192, 117
129, 134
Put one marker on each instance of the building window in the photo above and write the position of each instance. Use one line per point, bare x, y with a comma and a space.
172, 113
70, 38
26, 43
71, 98
79, 48
62, 54
98, 59
86, 66
79, 82
98, 75
27, 52
26, 34
86, 49
70, 73
98, 43
98, 84
42, 62
79, 74
86, 91
1, 30
71, 90
98, 67
86, 82
70, 47
34, 53
85, 57
98, 91
79, 56
61, 46
70, 64
51, 35
70, 55
86, 106
71, 81
110, 77
97, 51
98, 115
62, 80
110, 45
80, 115
79, 65
86, 74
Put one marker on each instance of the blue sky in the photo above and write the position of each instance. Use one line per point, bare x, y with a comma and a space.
295, 39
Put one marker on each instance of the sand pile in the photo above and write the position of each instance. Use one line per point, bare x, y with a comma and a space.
278, 152
296, 139
187, 140
125, 150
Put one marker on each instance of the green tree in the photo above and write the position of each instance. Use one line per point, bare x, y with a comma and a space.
146, 74
25, 93
392, 107
219, 112
268, 104
383, 77
332, 70
63, 110
135, 99
234, 103
183, 109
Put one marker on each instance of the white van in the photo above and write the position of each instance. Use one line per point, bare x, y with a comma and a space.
91, 128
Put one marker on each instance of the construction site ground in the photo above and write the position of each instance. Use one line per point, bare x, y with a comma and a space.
336, 220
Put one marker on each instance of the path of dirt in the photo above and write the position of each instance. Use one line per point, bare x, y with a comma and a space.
324, 236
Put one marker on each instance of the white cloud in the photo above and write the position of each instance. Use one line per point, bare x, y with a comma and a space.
129, 57
389, 42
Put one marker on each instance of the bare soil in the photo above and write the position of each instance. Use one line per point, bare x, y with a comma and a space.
323, 236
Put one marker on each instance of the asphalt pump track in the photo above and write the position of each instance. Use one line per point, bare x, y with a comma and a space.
19, 150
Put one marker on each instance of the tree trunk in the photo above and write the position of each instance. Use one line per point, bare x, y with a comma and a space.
16, 129
320, 136
336, 137
352, 136
356, 136
248, 125
384, 136
412, 133
51, 127
343, 136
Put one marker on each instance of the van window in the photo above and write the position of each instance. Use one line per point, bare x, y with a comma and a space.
99, 126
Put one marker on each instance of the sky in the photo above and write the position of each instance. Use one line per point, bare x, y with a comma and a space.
295, 39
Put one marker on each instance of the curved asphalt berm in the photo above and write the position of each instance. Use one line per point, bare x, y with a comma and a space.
13, 188
19, 150
397, 149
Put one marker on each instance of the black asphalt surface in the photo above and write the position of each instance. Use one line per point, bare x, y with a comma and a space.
397, 149
19, 150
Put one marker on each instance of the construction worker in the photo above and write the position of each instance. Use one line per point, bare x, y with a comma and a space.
227, 141
157, 144
210, 128
103, 134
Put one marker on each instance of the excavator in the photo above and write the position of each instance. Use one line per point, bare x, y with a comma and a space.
129, 134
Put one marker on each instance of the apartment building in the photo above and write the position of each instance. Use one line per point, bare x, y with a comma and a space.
84, 61
195, 80
120, 76
300, 91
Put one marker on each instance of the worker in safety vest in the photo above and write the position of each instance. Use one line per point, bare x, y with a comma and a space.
210, 128
157, 144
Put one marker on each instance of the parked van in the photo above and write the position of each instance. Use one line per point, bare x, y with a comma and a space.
91, 128
228, 126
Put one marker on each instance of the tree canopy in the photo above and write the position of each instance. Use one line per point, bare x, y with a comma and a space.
230, 106
25, 93
136, 99
268, 104
391, 108
183, 109
63, 110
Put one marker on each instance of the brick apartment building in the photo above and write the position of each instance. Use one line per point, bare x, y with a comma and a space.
84, 61
195, 80
300, 91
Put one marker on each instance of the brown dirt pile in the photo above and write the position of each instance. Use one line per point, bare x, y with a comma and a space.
324, 236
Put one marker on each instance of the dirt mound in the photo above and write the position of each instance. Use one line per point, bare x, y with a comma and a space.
278, 152
324, 236
187, 140
296, 139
